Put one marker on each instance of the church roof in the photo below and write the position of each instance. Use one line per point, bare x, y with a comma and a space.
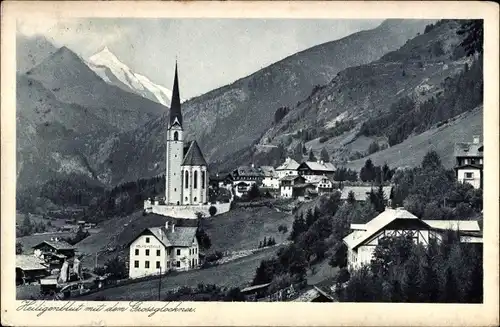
175, 105
194, 156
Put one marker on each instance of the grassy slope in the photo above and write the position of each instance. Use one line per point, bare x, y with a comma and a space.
239, 229
441, 139
235, 273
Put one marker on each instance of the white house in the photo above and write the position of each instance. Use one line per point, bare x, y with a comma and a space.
309, 169
289, 167
271, 179
160, 249
323, 184
363, 239
293, 186
469, 162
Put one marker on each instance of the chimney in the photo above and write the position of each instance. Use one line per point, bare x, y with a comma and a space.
476, 139
173, 227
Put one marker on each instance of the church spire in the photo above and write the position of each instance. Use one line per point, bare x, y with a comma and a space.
175, 106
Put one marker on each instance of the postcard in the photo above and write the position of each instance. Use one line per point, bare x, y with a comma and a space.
249, 163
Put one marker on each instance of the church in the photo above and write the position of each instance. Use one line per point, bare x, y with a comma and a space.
186, 177
186, 173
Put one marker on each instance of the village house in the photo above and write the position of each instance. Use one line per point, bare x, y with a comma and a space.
244, 177
469, 162
54, 252
322, 184
161, 249
309, 169
29, 269
362, 193
289, 167
271, 180
294, 186
363, 239
221, 180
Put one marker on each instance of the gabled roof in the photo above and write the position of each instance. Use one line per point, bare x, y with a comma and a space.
194, 156
181, 236
468, 149
58, 245
361, 193
474, 166
289, 164
357, 237
314, 179
29, 262
326, 167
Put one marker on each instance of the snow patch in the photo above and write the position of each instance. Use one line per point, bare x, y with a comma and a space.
105, 61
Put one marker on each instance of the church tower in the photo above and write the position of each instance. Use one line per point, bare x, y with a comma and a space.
174, 148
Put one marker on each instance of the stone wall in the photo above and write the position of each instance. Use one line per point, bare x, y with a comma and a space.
184, 211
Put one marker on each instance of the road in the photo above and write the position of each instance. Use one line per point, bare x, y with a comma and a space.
235, 273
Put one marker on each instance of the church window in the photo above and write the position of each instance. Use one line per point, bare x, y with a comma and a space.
178, 203
186, 198
195, 180
176, 136
203, 180
186, 182
175, 189
195, 199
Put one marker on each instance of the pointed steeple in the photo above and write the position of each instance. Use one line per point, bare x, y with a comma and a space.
175, 106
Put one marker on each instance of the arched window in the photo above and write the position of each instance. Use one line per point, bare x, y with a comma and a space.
195, 199
176, 136
203, 180
195, 179
186, 182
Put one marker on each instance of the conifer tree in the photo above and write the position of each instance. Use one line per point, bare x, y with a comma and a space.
450, 291
324, 155
311, 156
351, 198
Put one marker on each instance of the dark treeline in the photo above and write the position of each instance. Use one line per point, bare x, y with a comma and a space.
403, 271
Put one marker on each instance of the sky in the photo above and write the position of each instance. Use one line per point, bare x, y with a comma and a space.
210, 52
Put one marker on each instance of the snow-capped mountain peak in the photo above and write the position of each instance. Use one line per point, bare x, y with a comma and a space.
105, 64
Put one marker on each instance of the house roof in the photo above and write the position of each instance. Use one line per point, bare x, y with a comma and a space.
312, 294
475, 166
58, 245
221, 177
268, 171
314, 179
357, 237
181, 236
361, 192
461, 225
28, 262
194, 157
289, 164
248, 171
319, 166
468, 149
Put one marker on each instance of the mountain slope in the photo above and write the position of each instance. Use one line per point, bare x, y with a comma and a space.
113, 71
31, 50
72, 81
231, 118
399, 85
410, 152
